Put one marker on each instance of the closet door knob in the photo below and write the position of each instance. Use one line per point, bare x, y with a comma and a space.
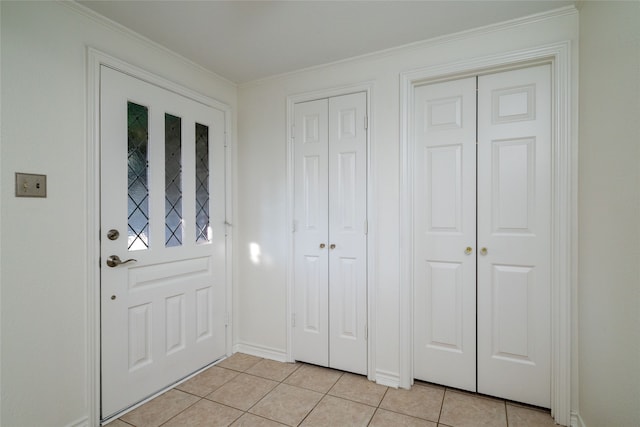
322, 245
468, 250
484, 251
332, 246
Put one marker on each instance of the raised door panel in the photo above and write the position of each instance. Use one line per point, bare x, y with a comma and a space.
444, 223
514, 205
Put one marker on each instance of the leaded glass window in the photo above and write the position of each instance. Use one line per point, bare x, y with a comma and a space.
138, 186
202, 184
173, 180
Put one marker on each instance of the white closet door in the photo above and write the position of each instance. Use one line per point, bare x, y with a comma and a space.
311, 269
514, 130
445, 233
347, 233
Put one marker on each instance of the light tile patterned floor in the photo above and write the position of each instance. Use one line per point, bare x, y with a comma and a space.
245, 390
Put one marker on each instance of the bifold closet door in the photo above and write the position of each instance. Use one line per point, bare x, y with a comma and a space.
514, 205
330, 271
497, 257
444, 226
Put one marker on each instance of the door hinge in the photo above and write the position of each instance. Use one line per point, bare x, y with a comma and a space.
293, 320
366, 122
366, 227
366, 332
293, 131
226, 319
294, 227
226, 138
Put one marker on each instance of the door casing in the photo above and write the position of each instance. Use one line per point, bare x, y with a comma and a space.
371, 237
96, 59
563, 204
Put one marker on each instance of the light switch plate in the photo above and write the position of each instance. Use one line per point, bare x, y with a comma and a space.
31, 185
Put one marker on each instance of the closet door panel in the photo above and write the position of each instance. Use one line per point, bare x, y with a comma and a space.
445, 234
347, 233
514, 202
311, 331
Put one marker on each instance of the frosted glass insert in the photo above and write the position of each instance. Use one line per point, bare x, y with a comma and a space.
138, 188
202, 184
173, 180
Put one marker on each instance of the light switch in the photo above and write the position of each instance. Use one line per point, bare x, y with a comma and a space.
31, 185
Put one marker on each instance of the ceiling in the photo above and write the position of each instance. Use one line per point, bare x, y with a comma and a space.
248, 40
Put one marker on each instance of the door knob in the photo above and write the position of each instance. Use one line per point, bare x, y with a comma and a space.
468, 250
322, 245
332, 246
113, 234
114, 261
484, 251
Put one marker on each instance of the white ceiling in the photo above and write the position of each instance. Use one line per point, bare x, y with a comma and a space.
248, 40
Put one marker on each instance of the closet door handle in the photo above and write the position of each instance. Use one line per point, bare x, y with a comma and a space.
322, 245
332, 246
468, 250
484, 251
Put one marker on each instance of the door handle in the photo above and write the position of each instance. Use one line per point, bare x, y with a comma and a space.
332, 246
114, 261
468, 250
484, 251
322, 245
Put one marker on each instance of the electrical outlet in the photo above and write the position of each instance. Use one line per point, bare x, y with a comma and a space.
31, 185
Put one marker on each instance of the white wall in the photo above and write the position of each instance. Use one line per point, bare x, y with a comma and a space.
261, 289
609, 208
44, 258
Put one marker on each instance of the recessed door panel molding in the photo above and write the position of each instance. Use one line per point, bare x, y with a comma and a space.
163, 282
139, 344
312, 289
513, 184
444, 302
175, 323
514, 217
444, 188
444, 263
312, 192
330, 276
443, 114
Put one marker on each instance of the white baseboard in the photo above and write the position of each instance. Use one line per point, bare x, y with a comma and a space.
576, 420
390, 379
82, 422
261, 351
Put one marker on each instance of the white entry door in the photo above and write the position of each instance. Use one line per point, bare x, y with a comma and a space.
445, 233
162, 238
330, 239
497, 257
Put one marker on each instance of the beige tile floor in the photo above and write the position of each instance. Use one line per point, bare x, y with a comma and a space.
245, 390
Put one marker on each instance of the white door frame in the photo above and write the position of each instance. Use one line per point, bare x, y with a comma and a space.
563, 205
96, 59
371, 235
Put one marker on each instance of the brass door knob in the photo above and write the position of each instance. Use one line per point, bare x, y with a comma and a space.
468, 250
484, 251
332, 246
322, 245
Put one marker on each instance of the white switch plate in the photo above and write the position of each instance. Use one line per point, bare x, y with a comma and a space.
31, 185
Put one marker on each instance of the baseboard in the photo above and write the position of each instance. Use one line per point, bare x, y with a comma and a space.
260, 351
82, 422
390, 379
576, 420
